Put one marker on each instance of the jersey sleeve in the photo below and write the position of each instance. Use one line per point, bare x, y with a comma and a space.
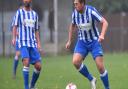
16, 19
73, 18
37, 23
12, 23
96, 15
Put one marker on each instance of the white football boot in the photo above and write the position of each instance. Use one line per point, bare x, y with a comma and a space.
93, 83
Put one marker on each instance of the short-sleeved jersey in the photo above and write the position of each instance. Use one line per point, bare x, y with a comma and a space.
85, 23
27, 24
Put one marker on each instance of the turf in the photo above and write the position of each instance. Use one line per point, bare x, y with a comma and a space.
58, 71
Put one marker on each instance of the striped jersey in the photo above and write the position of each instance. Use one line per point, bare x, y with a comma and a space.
85, 22
27, 24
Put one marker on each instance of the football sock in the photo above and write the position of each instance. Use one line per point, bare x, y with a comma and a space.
84, 71
26, 77
35, 77
16, 61
104, 78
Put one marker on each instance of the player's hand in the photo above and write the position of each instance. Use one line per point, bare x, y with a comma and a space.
68, 44
42, 52
101, 38
40, 49
13, 42
39, 46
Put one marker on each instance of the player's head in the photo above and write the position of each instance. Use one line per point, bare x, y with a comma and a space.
27, 3
79, 5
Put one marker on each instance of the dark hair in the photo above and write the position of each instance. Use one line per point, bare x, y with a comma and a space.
82, 1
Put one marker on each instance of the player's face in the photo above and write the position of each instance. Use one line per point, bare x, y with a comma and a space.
27, 3
79, 6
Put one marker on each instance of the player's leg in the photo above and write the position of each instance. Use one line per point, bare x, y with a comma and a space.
36, 60
79, 54
97, 53
36, 73
26, 72
78, 63
16, 60
103, 71
15, 63
25, 59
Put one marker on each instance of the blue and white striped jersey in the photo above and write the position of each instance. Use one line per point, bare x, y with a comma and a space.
86, 23
27, 23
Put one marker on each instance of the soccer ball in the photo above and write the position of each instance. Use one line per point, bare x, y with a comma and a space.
71, 86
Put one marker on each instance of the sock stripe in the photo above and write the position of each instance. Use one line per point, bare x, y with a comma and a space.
84, 71
36, 71
81, 67
104, 78
25, 68
16, 57
104, 74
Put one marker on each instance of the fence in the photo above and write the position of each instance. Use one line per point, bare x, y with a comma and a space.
116, 38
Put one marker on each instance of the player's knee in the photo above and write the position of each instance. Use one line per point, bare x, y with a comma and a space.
76, 63
38, 67
77, 60
26, 62
101, 69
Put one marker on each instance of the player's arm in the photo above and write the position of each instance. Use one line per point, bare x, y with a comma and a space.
37, 34
96, 15
38, 40
104, 29
14, 27
72, 27
14, 34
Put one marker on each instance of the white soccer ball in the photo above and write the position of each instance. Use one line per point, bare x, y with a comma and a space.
71, 86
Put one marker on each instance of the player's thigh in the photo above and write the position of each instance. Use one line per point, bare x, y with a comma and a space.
24, 52
97, 50
24, 55
81, 49
77, 58
34, 55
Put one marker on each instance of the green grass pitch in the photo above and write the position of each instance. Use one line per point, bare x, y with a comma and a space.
58, 71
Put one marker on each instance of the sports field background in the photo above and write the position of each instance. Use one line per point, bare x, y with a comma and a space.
115, 12
58, 71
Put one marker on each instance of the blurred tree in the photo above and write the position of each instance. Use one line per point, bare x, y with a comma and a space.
110, 6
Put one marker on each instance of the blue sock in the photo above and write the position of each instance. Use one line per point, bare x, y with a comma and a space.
26, 77
35, 77
16, 61
84, 71
104, 78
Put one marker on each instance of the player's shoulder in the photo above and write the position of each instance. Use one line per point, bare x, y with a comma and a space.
90, 7
74, 11
19, 10
34, 12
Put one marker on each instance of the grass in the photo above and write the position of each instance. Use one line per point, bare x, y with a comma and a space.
58, 71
